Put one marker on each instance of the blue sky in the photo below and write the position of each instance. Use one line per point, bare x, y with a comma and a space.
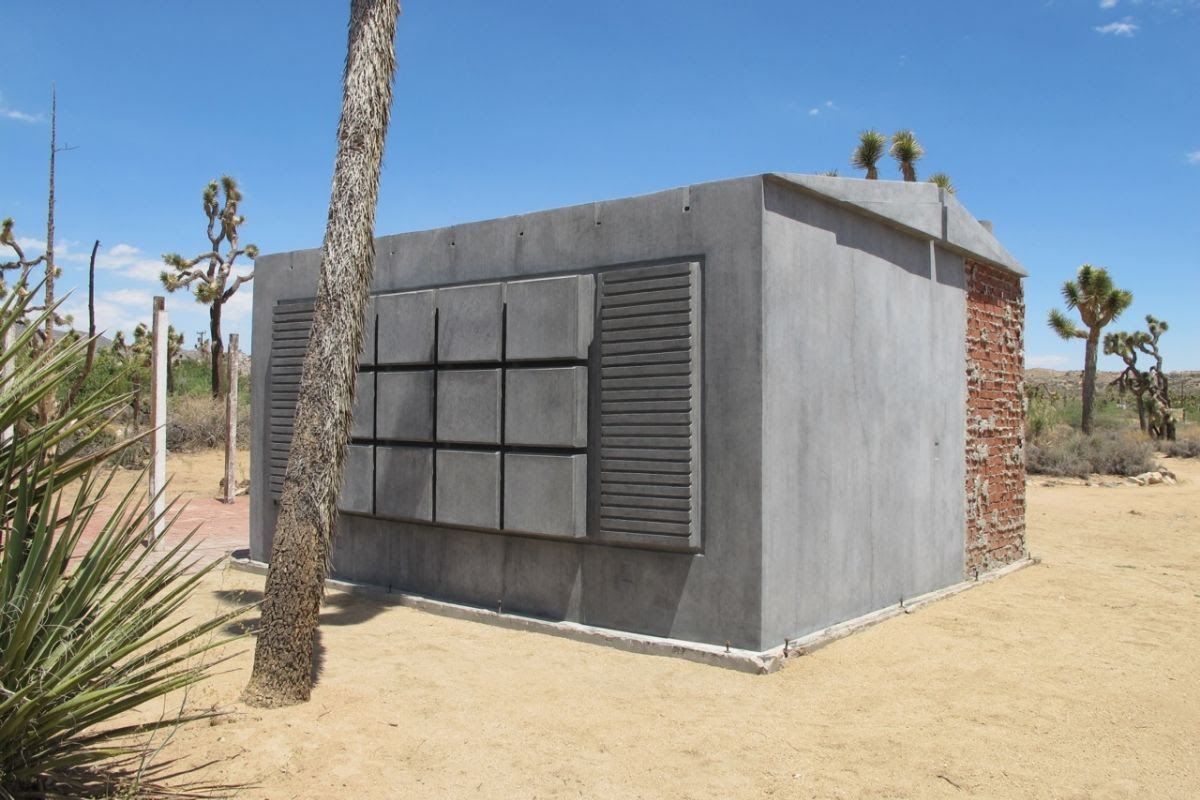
1072, 124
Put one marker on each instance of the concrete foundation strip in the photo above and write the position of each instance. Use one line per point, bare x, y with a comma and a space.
759, 663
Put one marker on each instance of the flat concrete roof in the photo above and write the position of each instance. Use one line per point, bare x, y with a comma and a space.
923, 209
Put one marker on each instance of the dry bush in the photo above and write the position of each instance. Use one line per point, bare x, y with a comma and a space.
198, 423
1182, 448
1071, 453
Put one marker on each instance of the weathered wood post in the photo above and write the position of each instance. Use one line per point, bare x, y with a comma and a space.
231, 412
158, 415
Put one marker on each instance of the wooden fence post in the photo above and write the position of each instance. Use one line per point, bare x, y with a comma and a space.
231, 414
158, 416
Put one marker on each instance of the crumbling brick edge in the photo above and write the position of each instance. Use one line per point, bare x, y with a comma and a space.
995, 437
754, 662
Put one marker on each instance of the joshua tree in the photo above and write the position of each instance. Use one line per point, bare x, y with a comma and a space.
1098, 302
943, 180
135, 358
907, 151
21, 262
1148, 386
212, 285
174, 353
307, 506
870, 149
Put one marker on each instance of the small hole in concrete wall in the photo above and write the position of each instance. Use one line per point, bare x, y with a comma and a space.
522, 233
597, 222
452, 244
687, 208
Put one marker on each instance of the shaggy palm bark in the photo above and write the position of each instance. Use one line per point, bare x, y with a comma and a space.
307, 506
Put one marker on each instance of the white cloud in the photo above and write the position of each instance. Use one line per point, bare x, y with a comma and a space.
828, 105
1107, 3
240, 305
1193, 157
112, 314
127, 279
135, 298
1047, 361
123, 251
1126, 27
19, 116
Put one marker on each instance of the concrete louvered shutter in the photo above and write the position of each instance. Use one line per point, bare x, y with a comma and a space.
290, 329
650, 406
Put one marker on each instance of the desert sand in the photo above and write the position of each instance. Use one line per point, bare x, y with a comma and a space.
1073, 678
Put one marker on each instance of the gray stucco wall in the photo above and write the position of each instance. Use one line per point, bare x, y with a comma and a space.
711, 596
864, 413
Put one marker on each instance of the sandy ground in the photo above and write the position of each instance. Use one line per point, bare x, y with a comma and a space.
192, 476
1074, 678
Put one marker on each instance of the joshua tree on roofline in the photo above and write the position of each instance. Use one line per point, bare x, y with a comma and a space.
907, 151
866, 155
943, 180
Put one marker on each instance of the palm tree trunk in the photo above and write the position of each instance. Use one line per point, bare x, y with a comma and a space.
872, 173
1089, 380
307, 506
910, 172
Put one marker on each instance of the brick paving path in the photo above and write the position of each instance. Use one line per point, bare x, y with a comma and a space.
221, 528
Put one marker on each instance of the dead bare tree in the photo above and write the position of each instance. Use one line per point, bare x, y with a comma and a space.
90, 359
211, 283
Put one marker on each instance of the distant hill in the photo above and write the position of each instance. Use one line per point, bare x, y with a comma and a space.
1182, 383
102, 341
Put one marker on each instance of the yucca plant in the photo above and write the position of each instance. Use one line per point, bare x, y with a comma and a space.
866, 155
907, 151
943, 181
86, 633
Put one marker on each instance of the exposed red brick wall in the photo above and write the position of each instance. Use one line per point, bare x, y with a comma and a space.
995, 419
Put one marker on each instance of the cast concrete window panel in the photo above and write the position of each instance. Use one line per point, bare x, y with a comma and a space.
366, 356
546, 494
650, 406
404, 482
468, 488
405, 328
358, 480
470, 323
362, 425
291, 323
549, 318
468, 406
404, 404
546, 407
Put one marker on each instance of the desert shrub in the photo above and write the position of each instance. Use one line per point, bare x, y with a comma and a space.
197, 422
1182, 448
1041, 415
85, 632
1071, 453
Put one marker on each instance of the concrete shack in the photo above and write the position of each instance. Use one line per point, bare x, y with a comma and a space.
737, 412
